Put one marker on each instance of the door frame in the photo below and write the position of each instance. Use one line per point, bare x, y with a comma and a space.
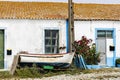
5, 52
114, 41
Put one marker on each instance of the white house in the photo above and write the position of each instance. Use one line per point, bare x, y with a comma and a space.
100, 23
42, 27
32, 27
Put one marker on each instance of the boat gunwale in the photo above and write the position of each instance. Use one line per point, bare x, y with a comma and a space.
44, 55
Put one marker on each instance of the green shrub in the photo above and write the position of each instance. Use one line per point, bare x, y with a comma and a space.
118, 61
28, 72
5, 74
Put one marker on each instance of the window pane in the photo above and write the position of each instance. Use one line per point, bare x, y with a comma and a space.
54, 33
101, 33
55, 49
47, 33
109, 34
47, 49
105, 33
47, 42
54, 42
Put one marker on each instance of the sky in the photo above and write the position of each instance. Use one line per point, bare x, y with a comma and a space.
76, 1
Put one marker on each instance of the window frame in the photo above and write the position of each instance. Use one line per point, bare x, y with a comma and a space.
51, 45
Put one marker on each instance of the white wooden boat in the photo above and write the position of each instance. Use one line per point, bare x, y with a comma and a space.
55, 60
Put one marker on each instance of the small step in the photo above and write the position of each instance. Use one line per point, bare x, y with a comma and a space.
3, 70
105, 66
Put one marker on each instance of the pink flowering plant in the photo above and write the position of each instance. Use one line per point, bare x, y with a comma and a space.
85, 48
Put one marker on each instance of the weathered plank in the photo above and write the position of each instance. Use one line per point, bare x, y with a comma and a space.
14, 64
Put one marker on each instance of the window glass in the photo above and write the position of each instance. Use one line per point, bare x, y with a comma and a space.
101, 33
109, 34
53, 49
54, 33
54, 42
51, 41
105, 34
47, 33
47, 49
47, 41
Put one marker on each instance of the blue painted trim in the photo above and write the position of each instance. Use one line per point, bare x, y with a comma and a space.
67, 37
83, 62
96, 38
114, 40
110, 61
93, 66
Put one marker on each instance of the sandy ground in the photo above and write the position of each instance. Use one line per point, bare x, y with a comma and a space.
91, 76
113, 74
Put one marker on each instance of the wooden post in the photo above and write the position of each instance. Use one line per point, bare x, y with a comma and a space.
14, 64
71, 24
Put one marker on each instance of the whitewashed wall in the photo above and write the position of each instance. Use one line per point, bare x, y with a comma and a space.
87, 28
28, 35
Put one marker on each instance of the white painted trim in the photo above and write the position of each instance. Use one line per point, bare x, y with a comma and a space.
5, 48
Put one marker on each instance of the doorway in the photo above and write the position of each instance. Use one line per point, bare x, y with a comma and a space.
105, 42
1, 49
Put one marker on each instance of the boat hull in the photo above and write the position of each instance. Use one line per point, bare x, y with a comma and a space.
41, 65
58, 61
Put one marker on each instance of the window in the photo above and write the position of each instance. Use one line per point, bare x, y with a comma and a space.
105, 34
51, 41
